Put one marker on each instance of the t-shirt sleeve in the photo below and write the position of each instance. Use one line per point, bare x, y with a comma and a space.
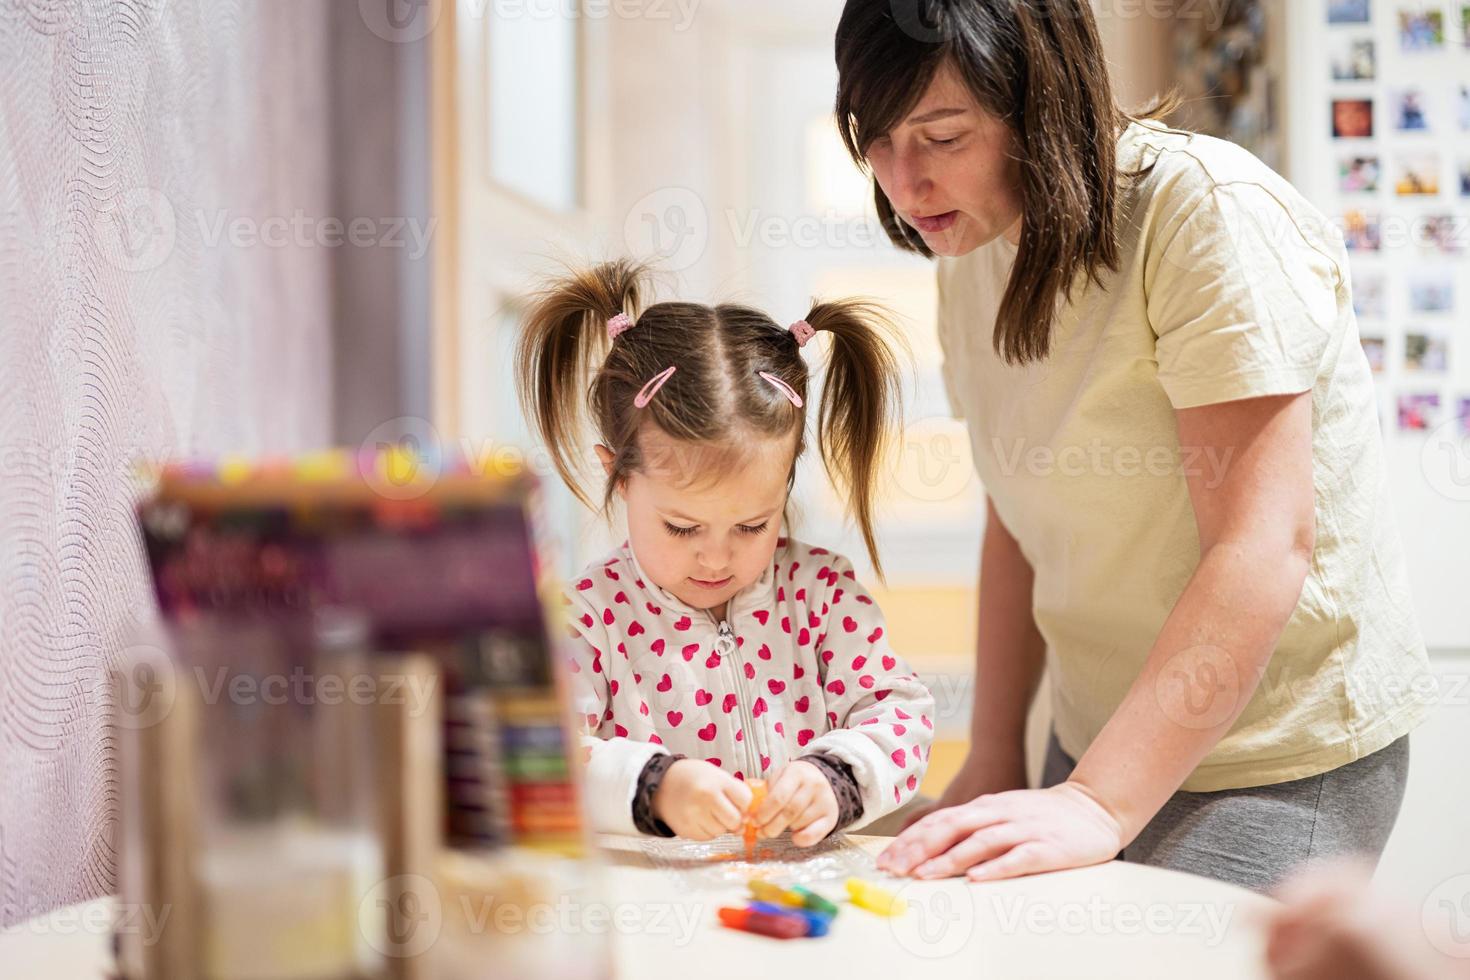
1243, 299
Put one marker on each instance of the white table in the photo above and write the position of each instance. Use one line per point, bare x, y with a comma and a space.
1114, 920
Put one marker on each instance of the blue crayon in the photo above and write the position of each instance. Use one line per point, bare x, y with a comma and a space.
817, 924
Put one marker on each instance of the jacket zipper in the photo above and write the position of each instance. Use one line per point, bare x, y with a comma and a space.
729, 653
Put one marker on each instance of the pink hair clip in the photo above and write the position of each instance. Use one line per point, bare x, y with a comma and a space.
619, 324
654, 384
803, 332
783, 387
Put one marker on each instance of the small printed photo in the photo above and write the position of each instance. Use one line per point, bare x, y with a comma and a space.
1358, 174
1417, 175
1432, 292
1462, 414
1353, 60
1421, 29
1362, 231
1410, 109
1465, 178
1465, 103
1352, 119
1349, 11
1376, 350
1425, 352
1465, 24
1418, 411
1370, 295
1442, 234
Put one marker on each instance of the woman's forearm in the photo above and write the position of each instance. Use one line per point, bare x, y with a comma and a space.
1201, 672
1009, 650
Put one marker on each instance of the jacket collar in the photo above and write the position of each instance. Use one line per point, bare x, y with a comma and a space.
759, 594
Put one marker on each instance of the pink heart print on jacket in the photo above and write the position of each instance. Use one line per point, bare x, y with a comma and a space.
800, 665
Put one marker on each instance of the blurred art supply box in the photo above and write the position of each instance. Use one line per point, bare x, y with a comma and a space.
351, 713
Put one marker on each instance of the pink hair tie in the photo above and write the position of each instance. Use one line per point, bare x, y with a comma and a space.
803, 332
783, 387
654, 384
619, 324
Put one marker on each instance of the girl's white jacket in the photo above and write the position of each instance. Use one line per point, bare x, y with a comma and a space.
800, 665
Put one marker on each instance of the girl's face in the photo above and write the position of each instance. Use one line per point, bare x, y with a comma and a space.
704, 543
949, 170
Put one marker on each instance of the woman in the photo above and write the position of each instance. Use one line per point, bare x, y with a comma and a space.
1151, 337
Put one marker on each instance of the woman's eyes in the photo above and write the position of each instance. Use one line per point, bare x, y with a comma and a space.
947, 142
684, 532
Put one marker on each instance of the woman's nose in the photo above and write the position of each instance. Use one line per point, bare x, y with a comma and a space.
907, 180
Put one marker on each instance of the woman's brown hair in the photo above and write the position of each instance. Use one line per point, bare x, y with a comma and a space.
716, 396
1038, 66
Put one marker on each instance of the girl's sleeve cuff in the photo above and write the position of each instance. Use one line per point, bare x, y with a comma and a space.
844, 787
648, 783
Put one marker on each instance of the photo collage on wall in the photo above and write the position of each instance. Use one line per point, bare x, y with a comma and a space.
1400, 128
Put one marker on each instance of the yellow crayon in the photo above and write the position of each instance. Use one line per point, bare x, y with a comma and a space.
874, 899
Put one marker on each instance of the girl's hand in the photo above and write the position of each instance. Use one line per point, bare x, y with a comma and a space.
801, 799
700, 801
1021, 832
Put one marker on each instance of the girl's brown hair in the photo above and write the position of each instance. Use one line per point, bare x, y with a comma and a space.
1038, 66
716, 397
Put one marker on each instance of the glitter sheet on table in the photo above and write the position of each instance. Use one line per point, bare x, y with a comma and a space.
721, 861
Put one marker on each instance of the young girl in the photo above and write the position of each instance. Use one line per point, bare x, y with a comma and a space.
712, 649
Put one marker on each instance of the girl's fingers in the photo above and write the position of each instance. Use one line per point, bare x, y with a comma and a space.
724, 813
777, 795
814, 832
818, 814
798, 802
738, 794
978, 847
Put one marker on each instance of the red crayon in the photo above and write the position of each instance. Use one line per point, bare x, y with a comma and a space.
764, 923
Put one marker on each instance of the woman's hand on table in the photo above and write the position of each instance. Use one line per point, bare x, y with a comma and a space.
1003, 835
700, 801
800, 799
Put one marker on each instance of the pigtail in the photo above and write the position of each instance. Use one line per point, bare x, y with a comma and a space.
861, 404
563, 336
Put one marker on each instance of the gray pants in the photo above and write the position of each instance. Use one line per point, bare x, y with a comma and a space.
1255, 837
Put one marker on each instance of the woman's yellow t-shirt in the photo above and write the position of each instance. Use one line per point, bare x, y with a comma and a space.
1230, 285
